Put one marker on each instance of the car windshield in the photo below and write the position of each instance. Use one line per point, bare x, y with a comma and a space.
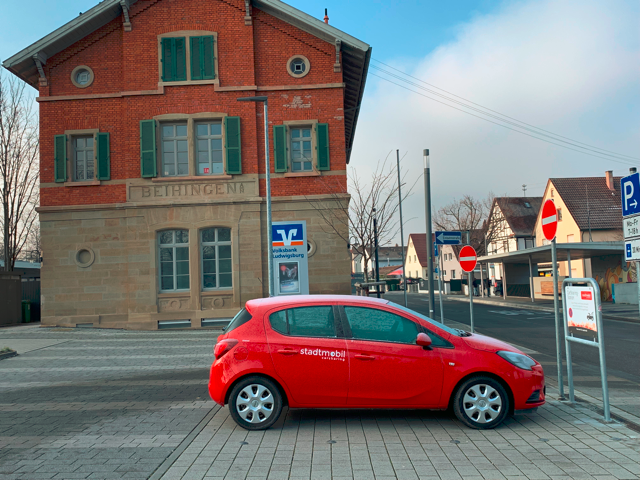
453, 331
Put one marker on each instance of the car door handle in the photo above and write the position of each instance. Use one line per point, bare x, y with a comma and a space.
288, 351
364, 357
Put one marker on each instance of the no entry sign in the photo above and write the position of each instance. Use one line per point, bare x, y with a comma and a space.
549, 220
468, 258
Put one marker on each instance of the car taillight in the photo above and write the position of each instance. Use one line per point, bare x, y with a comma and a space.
223, 347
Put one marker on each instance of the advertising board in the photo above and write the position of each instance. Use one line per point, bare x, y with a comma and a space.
290, 264
580, 312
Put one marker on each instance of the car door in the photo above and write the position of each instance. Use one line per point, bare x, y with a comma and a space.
309, 354
386, 367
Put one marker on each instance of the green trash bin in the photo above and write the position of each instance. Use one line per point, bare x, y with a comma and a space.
26, 311
393, 284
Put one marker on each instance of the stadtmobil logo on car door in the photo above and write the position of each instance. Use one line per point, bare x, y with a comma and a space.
325, 354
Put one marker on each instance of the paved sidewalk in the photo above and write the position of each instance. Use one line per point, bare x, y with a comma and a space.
609, 310
560, 441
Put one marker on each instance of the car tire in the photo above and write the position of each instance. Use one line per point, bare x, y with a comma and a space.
481, 403
255, 403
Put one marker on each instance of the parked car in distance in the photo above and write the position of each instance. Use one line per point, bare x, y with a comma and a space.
329, 351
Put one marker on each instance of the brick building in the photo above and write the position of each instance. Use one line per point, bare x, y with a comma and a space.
152, 173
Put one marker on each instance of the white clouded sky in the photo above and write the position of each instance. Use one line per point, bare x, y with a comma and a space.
570, 67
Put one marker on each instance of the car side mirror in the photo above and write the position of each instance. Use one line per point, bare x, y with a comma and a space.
423, 340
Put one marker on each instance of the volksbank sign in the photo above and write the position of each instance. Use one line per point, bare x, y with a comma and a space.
290, 267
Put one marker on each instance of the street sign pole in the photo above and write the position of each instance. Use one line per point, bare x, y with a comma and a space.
440, 296
427, 204
404, 277
468, 261
554, 266
470, 282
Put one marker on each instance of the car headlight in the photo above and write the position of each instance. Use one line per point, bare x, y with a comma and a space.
517, 359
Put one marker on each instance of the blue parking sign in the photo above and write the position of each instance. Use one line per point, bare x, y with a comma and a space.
630, 191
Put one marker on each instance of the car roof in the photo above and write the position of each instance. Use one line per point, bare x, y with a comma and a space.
307, 299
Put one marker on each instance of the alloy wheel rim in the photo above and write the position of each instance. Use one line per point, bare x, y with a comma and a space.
482, 403
255, 403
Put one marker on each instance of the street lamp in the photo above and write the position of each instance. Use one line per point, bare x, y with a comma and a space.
264, 99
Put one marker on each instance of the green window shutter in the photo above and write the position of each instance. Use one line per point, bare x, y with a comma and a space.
208, 64
60, 158
174, 59
322, 146
202, 59
148, 166
232, 145
167, 59
280, 159
196, 58
103, 171
181, 59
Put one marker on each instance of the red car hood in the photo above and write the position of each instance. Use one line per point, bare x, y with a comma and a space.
488, 344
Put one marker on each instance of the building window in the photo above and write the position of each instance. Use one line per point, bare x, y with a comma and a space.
215, 247
175, 151
298, 66
82, 76
559, 214
301, 156
453, 274
414, 258
174, 260
444, 273
186, 58
552, 193
209, 148
570, 238
83, 155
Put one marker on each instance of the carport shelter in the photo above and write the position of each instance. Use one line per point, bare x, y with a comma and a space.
520, 268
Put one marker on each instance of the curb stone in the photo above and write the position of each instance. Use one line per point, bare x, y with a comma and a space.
8, 355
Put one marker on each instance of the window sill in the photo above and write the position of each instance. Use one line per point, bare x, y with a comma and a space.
191, 178
213, 293
313, 173
90, 183
178, 83
179, 293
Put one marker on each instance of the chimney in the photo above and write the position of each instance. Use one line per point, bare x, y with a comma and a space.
326, 17
609, 178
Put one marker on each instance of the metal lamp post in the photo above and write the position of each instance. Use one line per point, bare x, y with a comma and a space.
265, 101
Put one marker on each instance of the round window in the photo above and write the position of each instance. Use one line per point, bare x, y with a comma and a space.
82, 76
298, 66
85, 257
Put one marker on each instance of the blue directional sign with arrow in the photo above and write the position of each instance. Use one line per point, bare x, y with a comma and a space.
448, 238
630, 190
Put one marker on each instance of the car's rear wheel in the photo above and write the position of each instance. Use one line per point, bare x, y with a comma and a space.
255, 403
481, 402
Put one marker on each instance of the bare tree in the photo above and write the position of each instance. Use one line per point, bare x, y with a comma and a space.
470, 214
19, 174
352, 218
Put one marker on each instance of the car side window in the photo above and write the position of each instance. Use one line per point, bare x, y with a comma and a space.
373, 324
305, 322
436, 340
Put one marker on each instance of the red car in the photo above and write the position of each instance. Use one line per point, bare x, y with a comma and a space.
326, 351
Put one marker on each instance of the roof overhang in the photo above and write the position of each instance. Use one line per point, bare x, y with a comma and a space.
355, 53
576, 251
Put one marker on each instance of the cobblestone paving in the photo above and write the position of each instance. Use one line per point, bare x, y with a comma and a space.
103, 405
559, 442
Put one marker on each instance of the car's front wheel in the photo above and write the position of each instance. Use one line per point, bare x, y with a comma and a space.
255, 403
481, 402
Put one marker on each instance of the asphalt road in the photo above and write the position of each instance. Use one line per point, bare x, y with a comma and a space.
535, 330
